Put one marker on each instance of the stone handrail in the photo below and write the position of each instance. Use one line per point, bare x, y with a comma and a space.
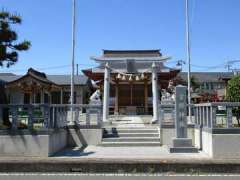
206, 113
14, 117
50, 116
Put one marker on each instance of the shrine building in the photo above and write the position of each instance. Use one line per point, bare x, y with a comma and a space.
131, 80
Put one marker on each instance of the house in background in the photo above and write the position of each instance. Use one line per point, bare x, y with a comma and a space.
211, 84
37, 87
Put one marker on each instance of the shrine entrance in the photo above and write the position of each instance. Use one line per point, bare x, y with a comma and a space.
130, 81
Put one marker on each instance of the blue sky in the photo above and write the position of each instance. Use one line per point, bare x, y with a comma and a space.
125, 24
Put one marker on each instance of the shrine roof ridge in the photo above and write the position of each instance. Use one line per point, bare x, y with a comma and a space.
103, 59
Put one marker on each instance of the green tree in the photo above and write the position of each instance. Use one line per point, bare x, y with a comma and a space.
9, 47
233, 95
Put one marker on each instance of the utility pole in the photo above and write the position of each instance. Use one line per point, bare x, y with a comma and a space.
229, 64
180, 63
77, 69
188, 59
73, 56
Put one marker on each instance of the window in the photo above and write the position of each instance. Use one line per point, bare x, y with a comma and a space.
207, 86
38, 98
26, 98
46, 98
56, 97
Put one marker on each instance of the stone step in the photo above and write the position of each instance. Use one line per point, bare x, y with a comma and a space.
108, 135
132, 139
130, 131
129, 144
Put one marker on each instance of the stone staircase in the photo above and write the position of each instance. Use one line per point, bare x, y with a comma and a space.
130, 136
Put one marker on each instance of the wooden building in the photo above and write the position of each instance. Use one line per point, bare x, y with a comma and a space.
130, 80
39, 88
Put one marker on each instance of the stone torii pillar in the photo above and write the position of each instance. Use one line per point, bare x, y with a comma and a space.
155, 93
106, 93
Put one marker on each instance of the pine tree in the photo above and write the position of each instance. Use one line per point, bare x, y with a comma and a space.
9, 47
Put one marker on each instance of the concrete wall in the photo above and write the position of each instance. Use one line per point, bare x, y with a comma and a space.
219, 146
226, 146
27, 144
84, 137
207, 145
57, 141
169, 133
197, 139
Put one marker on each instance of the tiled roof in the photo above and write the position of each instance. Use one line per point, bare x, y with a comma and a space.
207, 76
132, 53
57, 79
7, 74
66, 79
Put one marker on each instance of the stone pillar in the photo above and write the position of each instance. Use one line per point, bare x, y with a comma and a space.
155, 93
116, 98
146, 96
181, 114
181, 144
106, 93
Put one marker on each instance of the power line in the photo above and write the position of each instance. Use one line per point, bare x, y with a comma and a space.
47, 68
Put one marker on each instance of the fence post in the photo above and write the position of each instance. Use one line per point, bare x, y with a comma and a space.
195, 115
204, 116
209, 117
14, 111
213, 116
46, 116
229, 117
54, 117
30, 117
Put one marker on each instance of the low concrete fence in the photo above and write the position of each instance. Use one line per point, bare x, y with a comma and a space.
44, 116
42, 130
217, 130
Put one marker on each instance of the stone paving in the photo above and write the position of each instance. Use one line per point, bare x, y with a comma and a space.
133, 153
137, 153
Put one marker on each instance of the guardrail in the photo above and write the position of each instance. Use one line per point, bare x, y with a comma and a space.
218, 115
44, 116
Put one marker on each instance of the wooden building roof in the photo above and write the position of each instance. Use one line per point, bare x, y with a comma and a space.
33, 80
131, 62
